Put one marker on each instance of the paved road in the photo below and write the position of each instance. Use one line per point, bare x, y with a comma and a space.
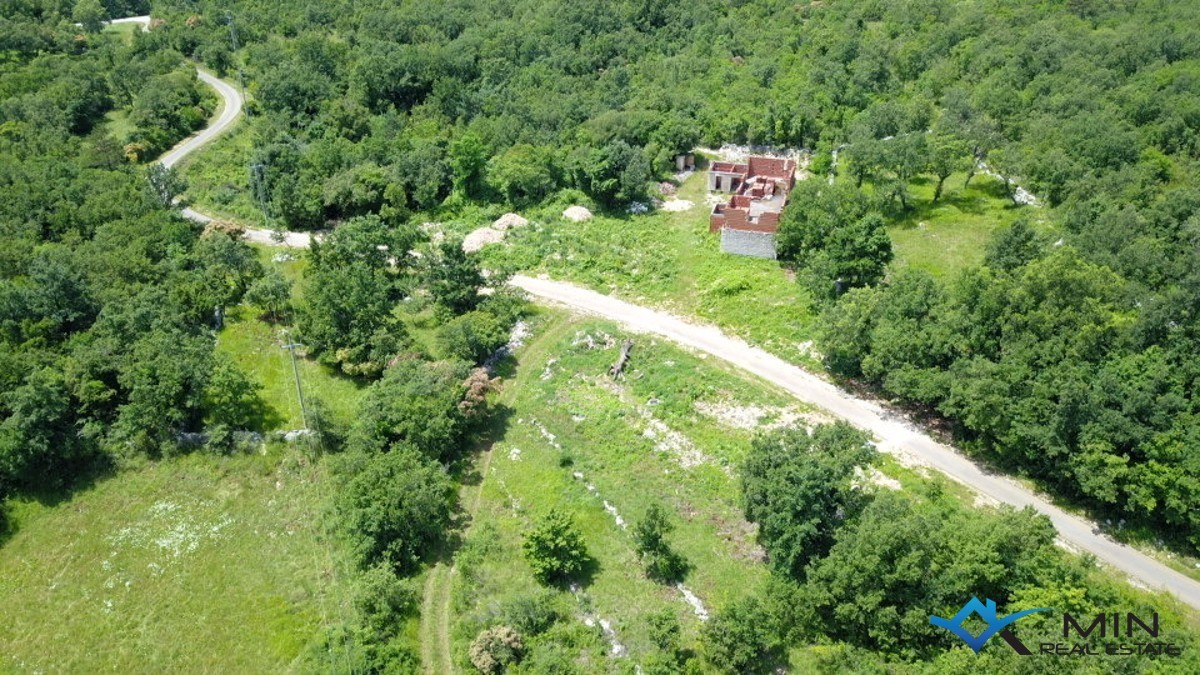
896, 436
230, 111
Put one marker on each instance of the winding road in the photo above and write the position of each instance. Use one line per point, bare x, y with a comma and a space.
908, 442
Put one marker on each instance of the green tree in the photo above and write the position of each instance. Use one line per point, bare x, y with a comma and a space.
799, 489
351, 289
473, 336
662, 563
231, 398
396, 508
165, 183
1013, 246
740, 639
524, 174
90, 15
469, 162
555, 550
947, 155
417, 403
454, 278
860, 251
273, 292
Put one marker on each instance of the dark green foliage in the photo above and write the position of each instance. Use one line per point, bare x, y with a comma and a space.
351, 289
166, 184
613, 175
454, 278
417, 403
230, 398
167, 108
662, 563
522, 174
900, 562
383, 601
273, 292
835, 237
799, 489
555, 549
1013, 247
473, 337
395, 508
741, 639
534, 614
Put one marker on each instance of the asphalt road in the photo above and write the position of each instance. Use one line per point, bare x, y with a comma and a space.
895, 436
231, 109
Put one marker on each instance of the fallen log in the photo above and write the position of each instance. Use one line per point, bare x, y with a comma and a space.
619, 366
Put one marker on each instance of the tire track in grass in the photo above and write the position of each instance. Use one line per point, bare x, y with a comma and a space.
436, 656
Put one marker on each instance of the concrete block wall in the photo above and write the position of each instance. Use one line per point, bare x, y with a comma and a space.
755, 244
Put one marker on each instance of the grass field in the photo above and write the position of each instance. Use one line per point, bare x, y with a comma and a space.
193, 564
669, 259
670, 432
255, 344
125, 30
218, 179
952, 235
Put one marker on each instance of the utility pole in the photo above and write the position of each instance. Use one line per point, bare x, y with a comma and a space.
291, 347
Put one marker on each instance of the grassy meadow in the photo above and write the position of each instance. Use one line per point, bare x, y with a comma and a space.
671, 431
192, 564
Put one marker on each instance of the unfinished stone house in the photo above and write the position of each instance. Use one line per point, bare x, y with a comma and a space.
758, 193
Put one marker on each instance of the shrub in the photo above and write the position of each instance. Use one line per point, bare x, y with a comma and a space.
555, 549
474, 336
662, 563
495, 649
397, 506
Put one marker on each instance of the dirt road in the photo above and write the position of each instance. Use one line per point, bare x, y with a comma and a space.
909, 443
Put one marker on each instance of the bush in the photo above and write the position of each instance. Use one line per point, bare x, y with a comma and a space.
474, 336
495, 649
661, 562
395, 508
532, 614
416, 402
555, 549
739, 639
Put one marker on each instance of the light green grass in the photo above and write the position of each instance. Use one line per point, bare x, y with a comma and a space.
672, 261
193, 564
218, 179
952, 235
117, 125
601, 429
123, 30
256, 346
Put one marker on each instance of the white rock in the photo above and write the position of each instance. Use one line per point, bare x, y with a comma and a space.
677, 205
577, 214
480, 238
508, 221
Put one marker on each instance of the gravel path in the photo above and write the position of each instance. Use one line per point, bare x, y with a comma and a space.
907, 441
